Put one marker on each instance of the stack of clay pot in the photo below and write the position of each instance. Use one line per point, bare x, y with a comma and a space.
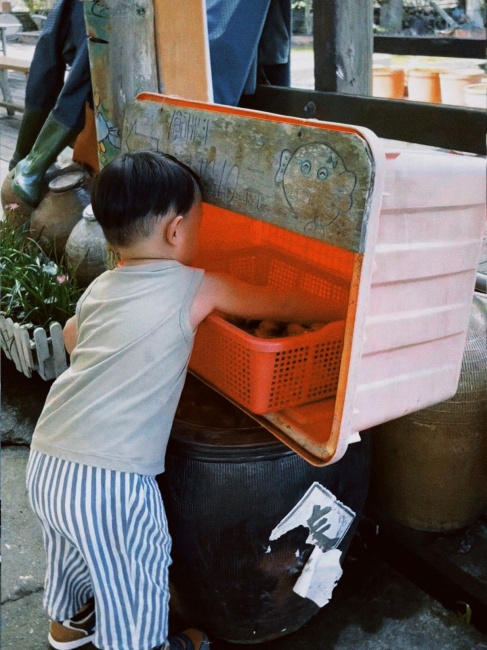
446, 86
455, 82
388, 82
475, 95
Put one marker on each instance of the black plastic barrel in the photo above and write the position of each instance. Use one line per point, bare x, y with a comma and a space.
225, 489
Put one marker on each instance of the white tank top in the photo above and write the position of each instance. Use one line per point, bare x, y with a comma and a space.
114, 406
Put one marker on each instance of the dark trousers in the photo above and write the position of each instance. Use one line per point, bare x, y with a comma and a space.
63, 42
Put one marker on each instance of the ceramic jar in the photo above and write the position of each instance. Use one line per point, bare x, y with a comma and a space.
60, 210
86, 248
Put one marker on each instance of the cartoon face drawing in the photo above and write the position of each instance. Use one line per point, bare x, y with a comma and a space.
317, 185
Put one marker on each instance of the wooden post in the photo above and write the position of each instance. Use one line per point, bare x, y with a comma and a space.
123, 63
343, 46
475, 10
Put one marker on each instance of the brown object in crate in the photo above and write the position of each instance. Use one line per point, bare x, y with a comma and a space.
271, 329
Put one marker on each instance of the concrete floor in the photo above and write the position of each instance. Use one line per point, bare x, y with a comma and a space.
373, 606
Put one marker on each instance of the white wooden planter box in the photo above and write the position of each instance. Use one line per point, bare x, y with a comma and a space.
43, 353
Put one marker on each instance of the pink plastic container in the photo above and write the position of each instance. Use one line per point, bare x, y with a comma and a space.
401, 226
423, 272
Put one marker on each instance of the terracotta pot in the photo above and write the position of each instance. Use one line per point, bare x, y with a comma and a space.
476, 95
388, 82
454, 82
16, 211
60, 210
424, 85
86, 248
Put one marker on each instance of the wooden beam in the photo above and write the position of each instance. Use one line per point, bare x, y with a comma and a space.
448, 127
182, 49
468, 48
343, 45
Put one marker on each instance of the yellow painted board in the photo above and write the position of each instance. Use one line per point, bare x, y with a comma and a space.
182, 49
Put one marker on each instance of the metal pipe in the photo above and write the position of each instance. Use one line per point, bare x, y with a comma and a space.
481, 283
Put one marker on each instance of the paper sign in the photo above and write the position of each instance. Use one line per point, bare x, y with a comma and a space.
327, 520
320, 511
319, 576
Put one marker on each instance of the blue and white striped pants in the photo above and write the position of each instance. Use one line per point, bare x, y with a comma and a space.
105, 534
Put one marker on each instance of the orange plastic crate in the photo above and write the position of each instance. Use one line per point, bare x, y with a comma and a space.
266, 375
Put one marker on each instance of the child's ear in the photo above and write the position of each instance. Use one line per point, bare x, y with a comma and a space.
173, 230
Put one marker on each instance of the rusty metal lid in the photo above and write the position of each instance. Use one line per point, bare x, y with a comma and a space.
67, 182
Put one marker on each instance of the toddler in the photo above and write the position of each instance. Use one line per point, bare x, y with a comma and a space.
102, 435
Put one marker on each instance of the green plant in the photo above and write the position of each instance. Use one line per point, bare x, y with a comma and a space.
466, 614
39, 6
35, 290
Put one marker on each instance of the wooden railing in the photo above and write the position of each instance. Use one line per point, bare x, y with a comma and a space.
343, 82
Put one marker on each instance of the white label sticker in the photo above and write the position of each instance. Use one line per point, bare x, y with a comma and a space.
327, 520
319, 576
320, 511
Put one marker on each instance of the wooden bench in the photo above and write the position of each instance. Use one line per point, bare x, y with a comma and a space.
16, 65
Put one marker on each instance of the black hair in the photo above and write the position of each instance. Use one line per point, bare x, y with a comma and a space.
136, 189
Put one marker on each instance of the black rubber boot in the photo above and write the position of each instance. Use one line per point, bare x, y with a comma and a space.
30, 127
29, 172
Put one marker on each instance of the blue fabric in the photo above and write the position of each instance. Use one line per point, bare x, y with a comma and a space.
62, 42
234, 30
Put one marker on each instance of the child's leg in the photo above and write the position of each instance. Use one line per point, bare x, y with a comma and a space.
68, 582
117, 522
127, 546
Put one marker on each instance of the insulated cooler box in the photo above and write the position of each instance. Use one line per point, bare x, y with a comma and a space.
398, 230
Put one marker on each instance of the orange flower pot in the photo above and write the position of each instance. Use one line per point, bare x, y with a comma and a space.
454, 82
388, 82
424, 85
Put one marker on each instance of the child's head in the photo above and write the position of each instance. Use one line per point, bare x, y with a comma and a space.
135, 190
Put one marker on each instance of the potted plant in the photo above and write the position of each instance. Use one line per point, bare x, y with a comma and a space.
38, 295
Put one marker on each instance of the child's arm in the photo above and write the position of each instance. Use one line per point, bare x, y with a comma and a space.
237, 298
70, 334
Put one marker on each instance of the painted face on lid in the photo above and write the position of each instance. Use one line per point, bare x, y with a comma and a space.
316, 183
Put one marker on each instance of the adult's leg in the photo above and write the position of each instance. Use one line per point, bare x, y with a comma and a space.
45, 80
63, 41
59, 130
